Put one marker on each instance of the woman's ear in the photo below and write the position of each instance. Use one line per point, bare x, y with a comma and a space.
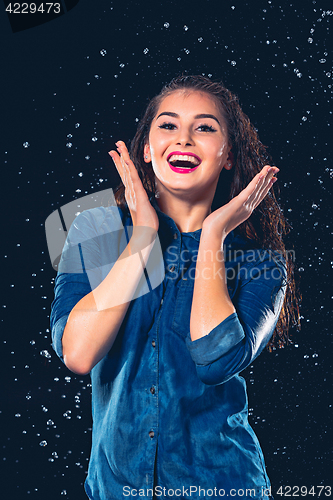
146, 153
230, 160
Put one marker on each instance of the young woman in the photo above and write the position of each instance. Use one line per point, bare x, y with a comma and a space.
170, 415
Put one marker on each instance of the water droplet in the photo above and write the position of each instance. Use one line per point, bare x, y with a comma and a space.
45, 353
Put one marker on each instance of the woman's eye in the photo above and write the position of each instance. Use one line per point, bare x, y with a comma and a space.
207, 128
167, 126
201, 128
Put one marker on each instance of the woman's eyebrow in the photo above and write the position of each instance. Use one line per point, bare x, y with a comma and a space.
205, 115
202, 115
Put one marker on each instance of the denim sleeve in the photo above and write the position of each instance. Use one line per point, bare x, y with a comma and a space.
72, 282
69, 289
234, 344
94, 242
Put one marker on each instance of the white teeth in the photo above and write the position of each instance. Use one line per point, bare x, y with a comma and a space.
191, 159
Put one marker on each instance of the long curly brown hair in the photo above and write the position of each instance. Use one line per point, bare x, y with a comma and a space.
267, 225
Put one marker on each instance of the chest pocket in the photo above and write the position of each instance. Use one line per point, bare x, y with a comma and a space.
182, 314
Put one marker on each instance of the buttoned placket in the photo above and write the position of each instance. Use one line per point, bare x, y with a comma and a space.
152, 389
171, 268
154, 343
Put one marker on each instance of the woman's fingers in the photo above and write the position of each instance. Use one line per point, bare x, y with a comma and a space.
123, 163
257, 182
264, 192
258, 188
117, 161
269, 179
263, 185
131, 172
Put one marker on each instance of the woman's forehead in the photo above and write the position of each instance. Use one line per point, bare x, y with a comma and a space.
195, 99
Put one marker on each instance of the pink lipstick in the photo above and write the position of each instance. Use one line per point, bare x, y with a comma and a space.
177, 161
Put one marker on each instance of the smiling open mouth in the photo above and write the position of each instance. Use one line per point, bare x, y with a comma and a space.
182, 163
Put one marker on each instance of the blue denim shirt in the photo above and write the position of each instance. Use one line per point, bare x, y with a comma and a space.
169, 412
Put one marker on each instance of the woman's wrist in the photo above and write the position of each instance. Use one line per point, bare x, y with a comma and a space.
211, 236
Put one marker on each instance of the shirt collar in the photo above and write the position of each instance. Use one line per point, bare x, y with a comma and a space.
171, 223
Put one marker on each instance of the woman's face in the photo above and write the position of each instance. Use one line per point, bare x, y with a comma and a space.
188, 144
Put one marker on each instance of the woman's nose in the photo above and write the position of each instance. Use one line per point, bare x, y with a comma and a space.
184, 138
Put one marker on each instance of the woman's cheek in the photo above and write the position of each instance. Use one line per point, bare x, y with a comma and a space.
158, 170
222, 150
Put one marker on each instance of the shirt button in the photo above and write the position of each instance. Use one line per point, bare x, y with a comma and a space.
152, 390
175, 236
172, 268
153, 343
151, 434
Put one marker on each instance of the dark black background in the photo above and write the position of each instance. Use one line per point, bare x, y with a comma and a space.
59, 92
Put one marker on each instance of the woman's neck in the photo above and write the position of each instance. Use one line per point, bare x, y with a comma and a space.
188, 216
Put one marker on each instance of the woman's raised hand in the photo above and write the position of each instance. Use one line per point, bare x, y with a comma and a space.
142, 212
239, 209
